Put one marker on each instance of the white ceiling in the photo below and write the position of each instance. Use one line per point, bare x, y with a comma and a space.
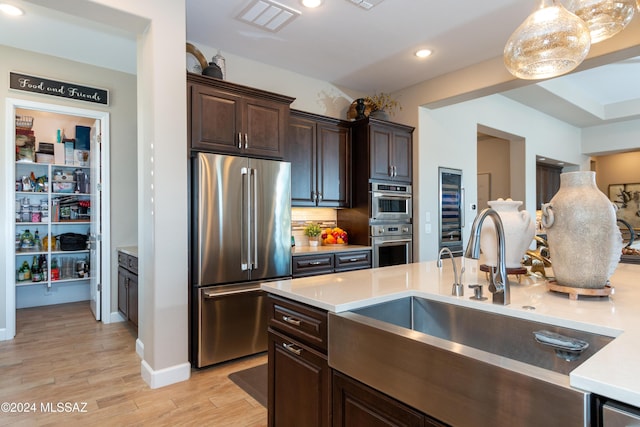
364, 50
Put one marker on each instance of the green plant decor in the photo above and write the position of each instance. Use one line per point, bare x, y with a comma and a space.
312, 230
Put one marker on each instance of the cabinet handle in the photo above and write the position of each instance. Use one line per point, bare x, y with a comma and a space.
314, 197
246, 141
353, 259
319, 196
239, 140
317, 262
292, 349
395, 171
291, 320
390, 171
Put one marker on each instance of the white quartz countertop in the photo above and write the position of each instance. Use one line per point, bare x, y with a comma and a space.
613, 372
131, 250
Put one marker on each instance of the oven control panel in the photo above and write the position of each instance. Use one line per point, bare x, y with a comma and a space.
391, 229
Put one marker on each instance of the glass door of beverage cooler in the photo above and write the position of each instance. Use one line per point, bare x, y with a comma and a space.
451, 209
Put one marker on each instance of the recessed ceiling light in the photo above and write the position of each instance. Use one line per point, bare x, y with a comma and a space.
423, 53
10, 9
311, 3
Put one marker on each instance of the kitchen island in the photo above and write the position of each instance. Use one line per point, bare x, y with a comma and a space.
612, 372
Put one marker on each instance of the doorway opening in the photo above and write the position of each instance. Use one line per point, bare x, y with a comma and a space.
501, 166
61, 196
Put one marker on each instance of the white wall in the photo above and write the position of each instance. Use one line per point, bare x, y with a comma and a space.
611, 138
312, 95
123, 140
447, 137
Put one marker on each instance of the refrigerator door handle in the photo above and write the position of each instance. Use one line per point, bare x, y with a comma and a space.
254, 225
246, 209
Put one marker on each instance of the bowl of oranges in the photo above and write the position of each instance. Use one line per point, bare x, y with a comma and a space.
334, 236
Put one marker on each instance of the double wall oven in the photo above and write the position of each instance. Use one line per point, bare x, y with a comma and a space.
390, 228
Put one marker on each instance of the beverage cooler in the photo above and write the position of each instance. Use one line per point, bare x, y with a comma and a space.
451, 209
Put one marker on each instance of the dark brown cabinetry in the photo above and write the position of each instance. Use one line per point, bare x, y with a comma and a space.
234, 119
299, 375
319, 152
324, 263
357, 405
128, 286
387, 147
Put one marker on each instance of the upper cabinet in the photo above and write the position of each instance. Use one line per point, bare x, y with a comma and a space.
319, 149
234, 119
388, 148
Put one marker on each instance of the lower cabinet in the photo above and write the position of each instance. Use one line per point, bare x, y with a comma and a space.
128, 287
300, 386
299, 375
357, 405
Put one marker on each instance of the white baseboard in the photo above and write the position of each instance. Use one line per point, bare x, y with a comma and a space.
140, 349
3, 335
166, 376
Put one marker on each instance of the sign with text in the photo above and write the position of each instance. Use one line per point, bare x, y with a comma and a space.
67, 90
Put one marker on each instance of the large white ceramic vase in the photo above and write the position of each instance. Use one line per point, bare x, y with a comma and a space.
519, 230
585, 242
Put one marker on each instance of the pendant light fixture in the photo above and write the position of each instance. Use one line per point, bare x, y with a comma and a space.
552, 41
605, 18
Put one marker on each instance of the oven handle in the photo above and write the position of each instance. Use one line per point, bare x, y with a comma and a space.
391, 195
385, 242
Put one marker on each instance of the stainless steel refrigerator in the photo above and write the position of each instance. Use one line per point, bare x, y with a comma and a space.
241, 236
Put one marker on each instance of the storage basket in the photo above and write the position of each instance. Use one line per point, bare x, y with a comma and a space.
72, 242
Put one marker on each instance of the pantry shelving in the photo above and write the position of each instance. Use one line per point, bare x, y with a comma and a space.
53, 220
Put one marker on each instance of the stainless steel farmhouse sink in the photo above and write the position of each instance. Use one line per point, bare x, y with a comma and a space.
463, 366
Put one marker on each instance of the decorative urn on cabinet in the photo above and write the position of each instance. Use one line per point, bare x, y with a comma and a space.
519, 230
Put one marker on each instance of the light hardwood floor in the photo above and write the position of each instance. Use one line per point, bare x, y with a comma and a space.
61, 354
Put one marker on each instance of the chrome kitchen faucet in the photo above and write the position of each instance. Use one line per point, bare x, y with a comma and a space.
498, 281
458, 288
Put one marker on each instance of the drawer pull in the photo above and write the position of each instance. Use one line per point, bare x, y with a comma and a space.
316, 263
292, 349
353, 260
291, 320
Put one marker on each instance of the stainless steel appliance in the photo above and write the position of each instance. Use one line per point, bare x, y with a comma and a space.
241, 235
611, 413
451, 209
392, 244
390, 202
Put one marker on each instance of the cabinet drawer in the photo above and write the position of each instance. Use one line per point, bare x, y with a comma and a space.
353, 260
132, 264
311, 265
300, 321
123, 259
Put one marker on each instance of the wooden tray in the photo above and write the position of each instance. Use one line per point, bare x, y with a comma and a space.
573, 293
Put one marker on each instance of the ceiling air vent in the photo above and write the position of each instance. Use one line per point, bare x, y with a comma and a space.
268, 15
365, 4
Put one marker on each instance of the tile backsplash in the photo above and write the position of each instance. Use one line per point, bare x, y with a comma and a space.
301, 217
